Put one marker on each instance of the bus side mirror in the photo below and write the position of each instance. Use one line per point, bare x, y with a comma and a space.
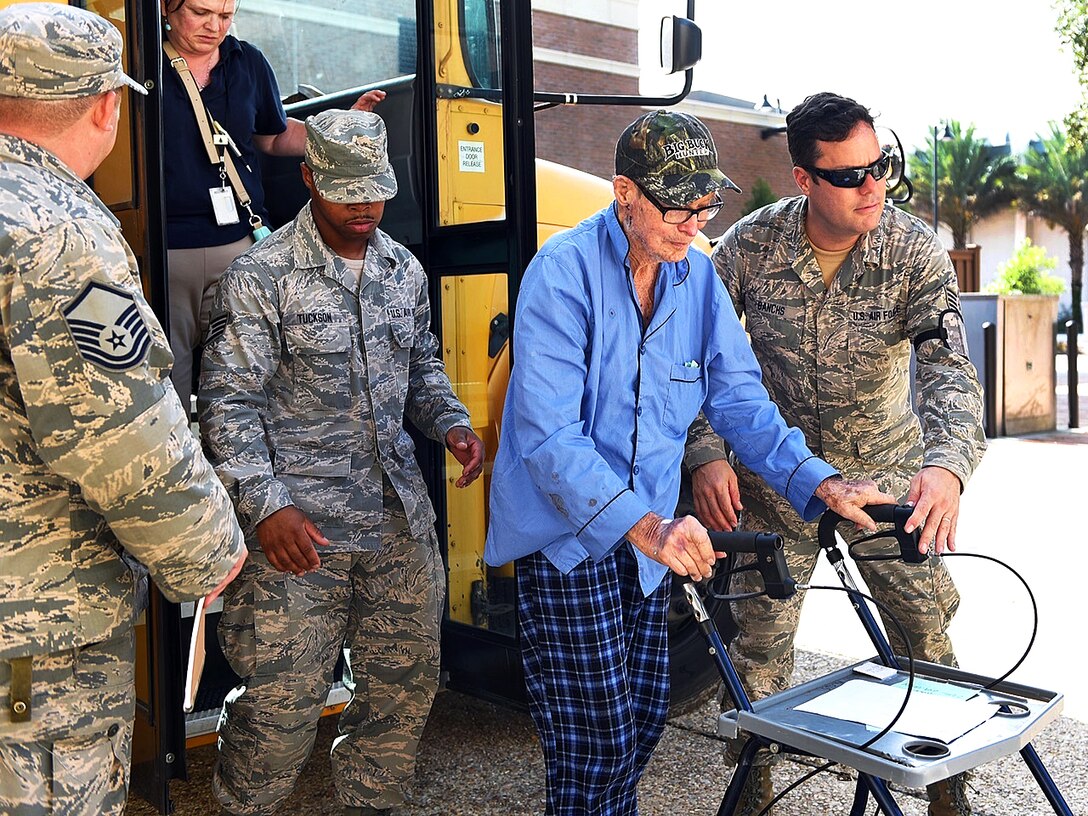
681, 44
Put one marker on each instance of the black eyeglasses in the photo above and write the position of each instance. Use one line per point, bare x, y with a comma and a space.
681, 215
850, 177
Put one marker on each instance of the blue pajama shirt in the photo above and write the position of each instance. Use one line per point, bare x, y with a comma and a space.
593, 434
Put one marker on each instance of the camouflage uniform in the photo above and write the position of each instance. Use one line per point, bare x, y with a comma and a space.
96, 456
307, 378
836, 362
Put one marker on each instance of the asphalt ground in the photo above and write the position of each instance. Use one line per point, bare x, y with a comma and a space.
479, 759
1026, 505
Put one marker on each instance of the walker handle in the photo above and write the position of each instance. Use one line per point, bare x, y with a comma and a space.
770, 558
895, 515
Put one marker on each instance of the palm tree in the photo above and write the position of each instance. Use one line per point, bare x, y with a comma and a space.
1054, 180
974, 180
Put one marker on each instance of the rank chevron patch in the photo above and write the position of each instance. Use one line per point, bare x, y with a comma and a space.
107, 327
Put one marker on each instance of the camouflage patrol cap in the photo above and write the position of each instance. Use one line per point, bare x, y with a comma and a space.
347, 152
52, 51
672, 156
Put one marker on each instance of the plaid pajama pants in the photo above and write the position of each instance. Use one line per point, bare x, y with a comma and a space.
596, 659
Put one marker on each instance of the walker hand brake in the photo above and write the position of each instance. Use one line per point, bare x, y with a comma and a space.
770, 558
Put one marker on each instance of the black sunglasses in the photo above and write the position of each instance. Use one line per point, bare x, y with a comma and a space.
850, 177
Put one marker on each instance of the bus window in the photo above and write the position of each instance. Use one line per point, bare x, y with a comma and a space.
480, 42
321, 47
468, 113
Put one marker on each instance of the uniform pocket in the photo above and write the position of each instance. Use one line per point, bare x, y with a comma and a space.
318, 338
273, 626
879, 357
321, 487
877, 328
403, 333
312, 463
895, 447
90, 772
235, 629
774, 326
105, 665
256, 628
320, 365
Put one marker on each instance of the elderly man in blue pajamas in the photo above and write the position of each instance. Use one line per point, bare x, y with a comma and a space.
623, 334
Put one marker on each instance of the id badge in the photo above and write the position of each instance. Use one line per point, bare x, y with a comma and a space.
223, 205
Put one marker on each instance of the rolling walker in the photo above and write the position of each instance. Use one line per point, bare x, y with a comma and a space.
780, 724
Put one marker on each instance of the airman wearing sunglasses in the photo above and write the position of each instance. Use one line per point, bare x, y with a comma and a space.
838, 286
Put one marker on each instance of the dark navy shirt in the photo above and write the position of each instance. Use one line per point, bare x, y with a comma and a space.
244, 98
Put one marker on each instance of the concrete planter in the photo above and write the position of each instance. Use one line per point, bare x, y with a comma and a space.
1024, 366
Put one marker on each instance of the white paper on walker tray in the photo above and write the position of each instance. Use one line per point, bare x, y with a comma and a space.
927, 715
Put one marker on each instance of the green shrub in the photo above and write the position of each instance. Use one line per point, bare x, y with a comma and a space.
762, 195
1027, 272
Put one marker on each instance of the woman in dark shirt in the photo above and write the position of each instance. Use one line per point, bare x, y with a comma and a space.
239, 91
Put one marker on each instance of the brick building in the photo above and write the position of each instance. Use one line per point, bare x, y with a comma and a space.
590, 46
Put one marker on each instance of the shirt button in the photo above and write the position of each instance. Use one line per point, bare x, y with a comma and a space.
638, 411
113, 729
636, 470
642, 349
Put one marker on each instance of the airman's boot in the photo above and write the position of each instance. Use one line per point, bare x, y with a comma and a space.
757, 792
949, 797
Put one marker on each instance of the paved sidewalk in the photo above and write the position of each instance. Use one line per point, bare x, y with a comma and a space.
1027, 504
478, 759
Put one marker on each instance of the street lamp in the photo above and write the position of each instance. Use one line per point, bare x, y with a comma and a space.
945, 137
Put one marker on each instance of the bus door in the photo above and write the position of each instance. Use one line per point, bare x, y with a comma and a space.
458, 111
480, 232
448, 142
459, 115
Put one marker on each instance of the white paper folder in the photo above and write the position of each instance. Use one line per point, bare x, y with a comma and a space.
195, 665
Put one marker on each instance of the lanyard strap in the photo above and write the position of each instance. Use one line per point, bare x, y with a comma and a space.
178, 63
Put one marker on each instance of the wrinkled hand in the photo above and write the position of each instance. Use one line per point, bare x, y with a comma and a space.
680, 544
935, 495
368, 101
287, 538
717, 496
468, 449
215, 593
848, 497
